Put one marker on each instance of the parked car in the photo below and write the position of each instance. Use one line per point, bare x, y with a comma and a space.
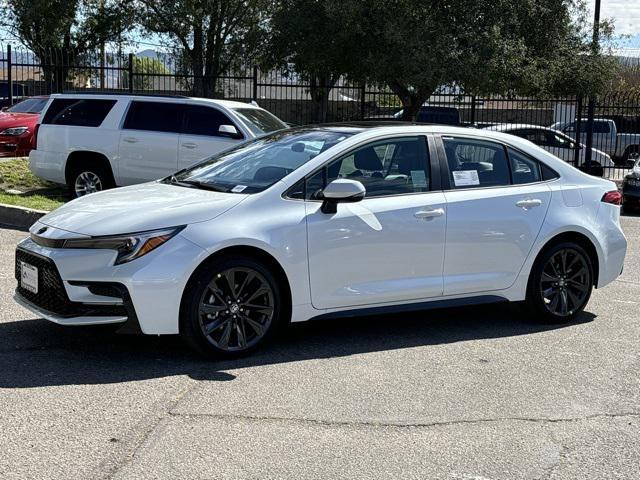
561, 145
327, 221
631, 188
622, 147
17, 124
93, 142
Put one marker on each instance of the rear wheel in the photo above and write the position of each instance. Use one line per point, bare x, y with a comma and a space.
84, 180
231, 308
560, 283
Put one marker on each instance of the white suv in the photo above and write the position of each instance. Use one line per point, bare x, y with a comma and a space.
91, 142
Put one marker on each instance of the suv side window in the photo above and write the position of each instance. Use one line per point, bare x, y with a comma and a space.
387, 167
203, 120
154, 116
79, 112
476, 163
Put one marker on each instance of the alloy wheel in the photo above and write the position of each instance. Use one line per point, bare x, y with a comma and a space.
565, 282
86, 183
236, 309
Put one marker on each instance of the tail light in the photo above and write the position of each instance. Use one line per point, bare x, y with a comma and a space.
613, 197
35, 136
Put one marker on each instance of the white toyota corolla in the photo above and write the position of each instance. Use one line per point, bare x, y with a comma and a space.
327, 221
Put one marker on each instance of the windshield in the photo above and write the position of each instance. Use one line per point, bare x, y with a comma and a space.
259, 121
30, 105
254, 166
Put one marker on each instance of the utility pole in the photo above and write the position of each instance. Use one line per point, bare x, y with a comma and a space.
595, 48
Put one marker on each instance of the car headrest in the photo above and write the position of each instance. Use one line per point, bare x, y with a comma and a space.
269, 174
367, 159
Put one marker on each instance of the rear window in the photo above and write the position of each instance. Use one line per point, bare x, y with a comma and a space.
154, 117
80, 112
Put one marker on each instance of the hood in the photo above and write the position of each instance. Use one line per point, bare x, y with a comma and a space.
138, 208
9, 119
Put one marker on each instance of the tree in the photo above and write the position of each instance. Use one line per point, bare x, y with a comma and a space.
492, 46
144, 70
318, 40
59, 31
212, 34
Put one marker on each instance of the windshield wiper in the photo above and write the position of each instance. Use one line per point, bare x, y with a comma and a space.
204, 185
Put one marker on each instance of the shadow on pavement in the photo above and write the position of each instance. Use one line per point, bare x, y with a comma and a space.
35, 353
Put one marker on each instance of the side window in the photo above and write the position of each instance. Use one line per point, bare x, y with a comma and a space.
476, 163
524, 169
202, 120
154, 117
570, 128
388, 167
79, 112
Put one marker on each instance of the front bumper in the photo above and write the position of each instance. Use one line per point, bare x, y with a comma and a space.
13, 146
83, 287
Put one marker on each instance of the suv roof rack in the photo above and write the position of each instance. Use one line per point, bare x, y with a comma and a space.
128, 94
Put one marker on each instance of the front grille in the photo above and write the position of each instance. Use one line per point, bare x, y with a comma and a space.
51, 296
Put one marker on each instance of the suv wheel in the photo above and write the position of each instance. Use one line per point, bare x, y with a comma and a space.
90, 179
560, 283
231, 308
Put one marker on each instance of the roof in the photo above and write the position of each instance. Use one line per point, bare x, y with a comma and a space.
503, 127
97, 94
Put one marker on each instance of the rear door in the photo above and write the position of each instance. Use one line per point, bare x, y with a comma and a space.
496, 204
148, 147
200, 136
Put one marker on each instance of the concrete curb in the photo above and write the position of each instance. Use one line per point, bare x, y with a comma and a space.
19, 217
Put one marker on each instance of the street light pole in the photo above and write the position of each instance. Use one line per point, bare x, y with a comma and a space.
595, 47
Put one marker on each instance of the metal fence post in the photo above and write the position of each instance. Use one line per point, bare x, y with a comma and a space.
590, 115
9, 77
363, 93
255, 83
473, 110
578, 130
130, 66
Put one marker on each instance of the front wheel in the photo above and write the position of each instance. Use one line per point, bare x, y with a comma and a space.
231, 308
560, 283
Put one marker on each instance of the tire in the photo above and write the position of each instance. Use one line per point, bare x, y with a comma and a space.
94, 176
550, 282
214, 323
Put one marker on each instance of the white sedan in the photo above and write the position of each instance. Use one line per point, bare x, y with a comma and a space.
327, 221
556, 142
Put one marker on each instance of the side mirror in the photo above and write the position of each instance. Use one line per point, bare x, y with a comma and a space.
341, 190
229, 131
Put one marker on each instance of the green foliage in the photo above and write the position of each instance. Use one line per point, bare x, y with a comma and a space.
144, 70
212, 34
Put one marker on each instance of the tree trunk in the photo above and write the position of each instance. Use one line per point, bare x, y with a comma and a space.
412, 99
197, 63
319, 88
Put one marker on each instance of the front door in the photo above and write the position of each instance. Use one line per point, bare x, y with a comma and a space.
496, 205
201, 137
390, 246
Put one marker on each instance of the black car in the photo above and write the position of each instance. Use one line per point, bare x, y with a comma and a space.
631, 188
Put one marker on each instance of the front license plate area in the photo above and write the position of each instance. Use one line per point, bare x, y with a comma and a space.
29, 277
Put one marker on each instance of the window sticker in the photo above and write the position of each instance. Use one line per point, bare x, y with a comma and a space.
466, 178
238, 188
418, 178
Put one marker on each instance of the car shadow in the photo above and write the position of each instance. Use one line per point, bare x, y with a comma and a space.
36, 353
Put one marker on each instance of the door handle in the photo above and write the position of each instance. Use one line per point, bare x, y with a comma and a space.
189, 145
429, 213
130, 139
529, 203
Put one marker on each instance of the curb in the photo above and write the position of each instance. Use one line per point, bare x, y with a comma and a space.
20, 217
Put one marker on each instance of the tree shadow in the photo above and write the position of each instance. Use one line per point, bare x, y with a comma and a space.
36, 353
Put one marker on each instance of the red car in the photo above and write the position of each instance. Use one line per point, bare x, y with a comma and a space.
17, 125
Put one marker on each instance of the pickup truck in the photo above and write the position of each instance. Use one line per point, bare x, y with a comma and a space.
624, 148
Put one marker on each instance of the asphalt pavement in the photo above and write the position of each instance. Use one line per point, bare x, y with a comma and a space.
470, 394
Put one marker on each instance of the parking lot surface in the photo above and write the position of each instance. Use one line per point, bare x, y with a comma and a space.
475, 393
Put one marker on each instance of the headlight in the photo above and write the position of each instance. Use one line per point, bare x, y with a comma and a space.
15, 131
129, 247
